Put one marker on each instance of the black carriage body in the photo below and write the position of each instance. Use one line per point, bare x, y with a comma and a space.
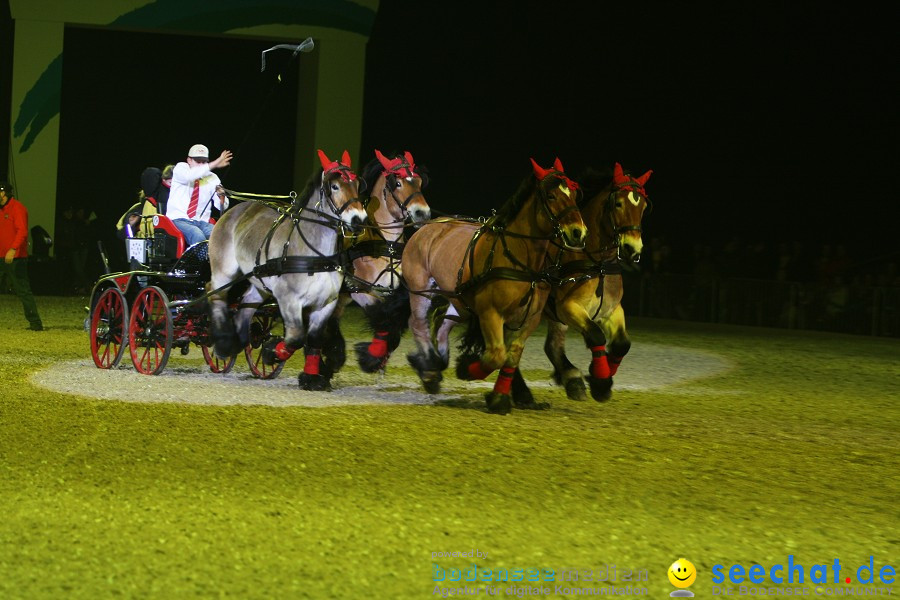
178, 289
184, 283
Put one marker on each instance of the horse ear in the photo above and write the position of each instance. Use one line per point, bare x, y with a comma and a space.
558, 165
643, 178
539, 172
345, 159
618, 174
383, 160
324, 160
409, 160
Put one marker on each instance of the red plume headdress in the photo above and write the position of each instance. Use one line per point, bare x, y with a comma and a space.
557, 171
343, 166
621, 180
402, 166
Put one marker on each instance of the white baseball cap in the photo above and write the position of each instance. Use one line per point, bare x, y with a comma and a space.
198, 151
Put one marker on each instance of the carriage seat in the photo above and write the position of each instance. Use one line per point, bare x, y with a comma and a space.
169, 241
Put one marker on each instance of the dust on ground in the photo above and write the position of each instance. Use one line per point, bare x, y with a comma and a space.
187, 380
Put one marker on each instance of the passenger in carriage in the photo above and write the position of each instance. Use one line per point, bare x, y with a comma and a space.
195, 190
152, 200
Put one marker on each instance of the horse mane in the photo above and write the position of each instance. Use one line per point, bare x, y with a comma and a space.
506, 213
372, 171
312, 185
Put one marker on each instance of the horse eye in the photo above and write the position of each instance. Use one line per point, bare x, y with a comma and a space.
399, 184
335, 187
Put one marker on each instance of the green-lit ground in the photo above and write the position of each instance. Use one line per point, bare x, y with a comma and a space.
794, 451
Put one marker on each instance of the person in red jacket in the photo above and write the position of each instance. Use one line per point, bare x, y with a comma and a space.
14, 245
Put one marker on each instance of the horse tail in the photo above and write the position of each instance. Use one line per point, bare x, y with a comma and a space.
388, 320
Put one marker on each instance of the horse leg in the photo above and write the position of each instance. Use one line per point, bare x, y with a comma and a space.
247, 307
599, 379
619, 342
275, 350
224, 337
599, 375
317, 369
335, 346
564, 372
495, 355
388, 317
521, 395
426, 360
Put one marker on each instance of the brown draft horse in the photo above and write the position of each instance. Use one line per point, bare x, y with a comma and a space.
374, 282
492, 271
589, 297
292, 252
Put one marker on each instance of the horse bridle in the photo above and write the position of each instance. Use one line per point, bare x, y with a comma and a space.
634, 187
347, 174
545, 202
404, 204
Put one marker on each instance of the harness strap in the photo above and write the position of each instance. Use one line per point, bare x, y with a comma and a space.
297, 264
375, 248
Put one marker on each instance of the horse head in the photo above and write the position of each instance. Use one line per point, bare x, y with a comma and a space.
404, 183
559, 196
625, 206
340, 186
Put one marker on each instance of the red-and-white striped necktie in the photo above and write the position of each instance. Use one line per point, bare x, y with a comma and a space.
195, 200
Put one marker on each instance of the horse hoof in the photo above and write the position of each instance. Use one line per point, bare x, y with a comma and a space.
267, 355
367, 362
521, 395
498, 404
575, 390
314, 383
431, 380
601, 389
462, 367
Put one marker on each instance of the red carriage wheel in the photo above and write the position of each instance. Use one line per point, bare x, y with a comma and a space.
150, 331
216, 364
109, 329
261, 326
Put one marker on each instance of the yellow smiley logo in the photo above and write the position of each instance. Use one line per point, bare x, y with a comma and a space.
682, 573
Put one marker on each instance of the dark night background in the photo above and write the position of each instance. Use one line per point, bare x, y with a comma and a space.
768, 121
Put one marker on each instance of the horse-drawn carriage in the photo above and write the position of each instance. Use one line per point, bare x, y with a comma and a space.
537, 257
161, 304
272, 263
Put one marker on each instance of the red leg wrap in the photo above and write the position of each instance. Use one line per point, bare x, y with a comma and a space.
614, 362
477, 371
599, 363
504, 380
311, 366
379, 348
283, 351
